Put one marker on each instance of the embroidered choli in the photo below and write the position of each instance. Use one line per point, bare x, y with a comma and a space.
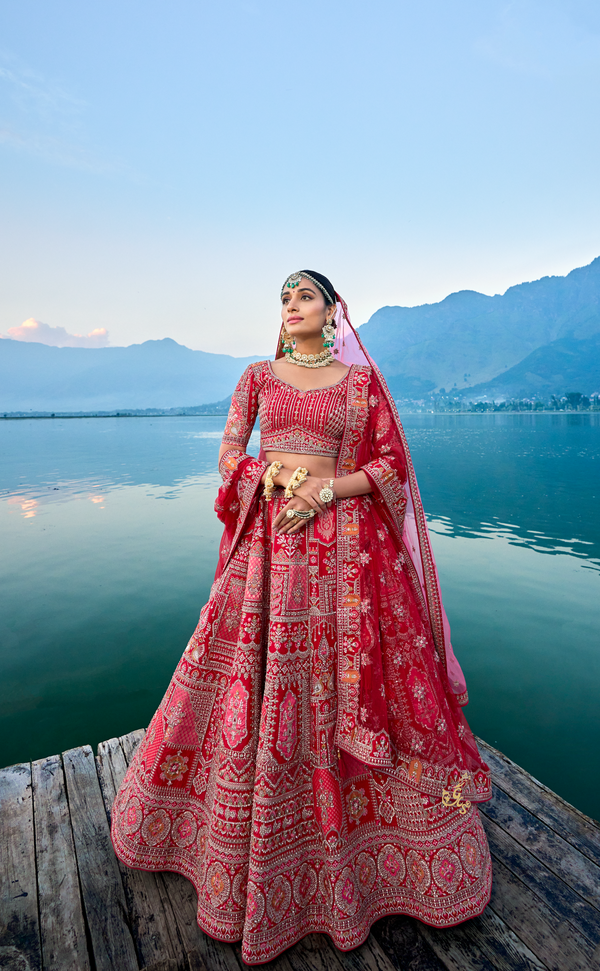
291, 420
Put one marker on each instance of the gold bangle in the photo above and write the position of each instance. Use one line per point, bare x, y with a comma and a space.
299, 476
273, 470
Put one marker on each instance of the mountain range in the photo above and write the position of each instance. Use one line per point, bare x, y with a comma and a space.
469, 340
155, 374
537, 338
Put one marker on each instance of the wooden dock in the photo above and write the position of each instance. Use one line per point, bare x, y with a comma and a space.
68, 905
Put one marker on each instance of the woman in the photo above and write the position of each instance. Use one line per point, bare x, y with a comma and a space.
310, 768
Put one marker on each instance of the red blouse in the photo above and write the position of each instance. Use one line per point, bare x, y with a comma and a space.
291, 420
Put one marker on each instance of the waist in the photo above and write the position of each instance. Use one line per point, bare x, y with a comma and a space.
301, 441
321, 466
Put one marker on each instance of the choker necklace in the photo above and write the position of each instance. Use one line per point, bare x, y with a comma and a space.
311, 360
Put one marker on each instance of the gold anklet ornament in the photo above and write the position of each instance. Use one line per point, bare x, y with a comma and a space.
299, 476
273, 470
327, 494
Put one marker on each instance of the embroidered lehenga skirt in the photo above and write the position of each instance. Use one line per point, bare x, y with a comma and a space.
238, 784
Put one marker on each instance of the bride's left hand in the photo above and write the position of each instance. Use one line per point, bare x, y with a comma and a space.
310, 492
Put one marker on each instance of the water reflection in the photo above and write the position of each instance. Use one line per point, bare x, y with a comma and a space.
110, 543
516, 536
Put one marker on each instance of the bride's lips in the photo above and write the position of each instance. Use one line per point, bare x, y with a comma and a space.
294, 320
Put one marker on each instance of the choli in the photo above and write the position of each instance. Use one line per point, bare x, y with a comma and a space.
305, 422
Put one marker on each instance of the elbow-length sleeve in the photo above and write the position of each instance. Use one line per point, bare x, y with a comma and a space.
243, 411
241, 473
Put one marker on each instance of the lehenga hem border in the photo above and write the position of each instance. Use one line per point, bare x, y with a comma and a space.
377, 912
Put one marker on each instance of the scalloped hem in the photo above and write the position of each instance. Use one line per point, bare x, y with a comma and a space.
342, 942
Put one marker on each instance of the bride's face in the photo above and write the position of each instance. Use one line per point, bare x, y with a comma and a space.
304, 310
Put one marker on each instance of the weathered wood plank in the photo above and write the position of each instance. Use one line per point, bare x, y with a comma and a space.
312, 953
166, 965
370, 956
405, 946
573, 868
178, 892
574, 826
182, 895
64, 945
151, 918
484, 943
102, 889
130, 742
541, 882
547, 933
19, 924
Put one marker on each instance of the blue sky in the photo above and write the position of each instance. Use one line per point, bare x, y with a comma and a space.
166, 165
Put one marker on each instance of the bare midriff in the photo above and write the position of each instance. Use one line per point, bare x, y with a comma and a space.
321, 466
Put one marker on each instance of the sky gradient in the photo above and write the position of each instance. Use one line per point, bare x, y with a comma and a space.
165, 166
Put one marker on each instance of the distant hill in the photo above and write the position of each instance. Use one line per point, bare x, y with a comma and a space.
470, 338
155, 374
537, 337
564, 365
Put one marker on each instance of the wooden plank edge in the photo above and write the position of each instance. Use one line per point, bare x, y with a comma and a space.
484, 942
543, 882
518, 769
102, 889
65, 939
20, 933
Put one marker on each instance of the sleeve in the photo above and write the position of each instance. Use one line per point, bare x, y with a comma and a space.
243, 410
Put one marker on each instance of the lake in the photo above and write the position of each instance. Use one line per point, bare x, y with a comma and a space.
109, 543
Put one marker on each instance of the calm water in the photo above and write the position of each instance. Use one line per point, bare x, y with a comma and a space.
109, 544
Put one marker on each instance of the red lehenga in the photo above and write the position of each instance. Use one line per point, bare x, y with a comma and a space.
310, 768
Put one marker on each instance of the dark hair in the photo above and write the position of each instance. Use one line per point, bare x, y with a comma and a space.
325, 283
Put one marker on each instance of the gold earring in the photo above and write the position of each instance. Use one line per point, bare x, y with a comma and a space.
328, 332
287, 342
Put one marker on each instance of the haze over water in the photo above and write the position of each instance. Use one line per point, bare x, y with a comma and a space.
110, 544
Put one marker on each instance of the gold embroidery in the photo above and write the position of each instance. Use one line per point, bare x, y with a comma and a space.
454, 799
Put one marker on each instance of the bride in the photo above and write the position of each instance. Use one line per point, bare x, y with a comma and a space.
310, 767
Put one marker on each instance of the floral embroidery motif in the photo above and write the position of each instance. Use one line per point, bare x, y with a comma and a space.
305, 885
217, 884
356, 804
423, 699
418, 871
347, 895
173, 718
235, 727
184, 829
174, 768
391, 866
156, 827
447, 871
279, 899
287, 736
366, 872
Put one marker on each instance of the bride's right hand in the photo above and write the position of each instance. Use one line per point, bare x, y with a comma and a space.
284, 523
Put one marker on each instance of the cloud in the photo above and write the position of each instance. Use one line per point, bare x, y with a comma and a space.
35, 330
